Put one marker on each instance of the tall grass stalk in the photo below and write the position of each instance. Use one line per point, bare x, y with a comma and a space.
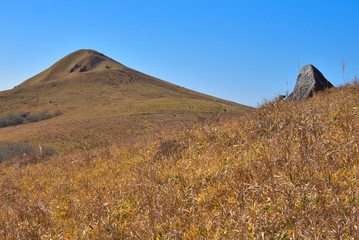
343, 65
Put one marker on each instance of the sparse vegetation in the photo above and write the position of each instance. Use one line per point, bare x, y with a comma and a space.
288, 170
25, 117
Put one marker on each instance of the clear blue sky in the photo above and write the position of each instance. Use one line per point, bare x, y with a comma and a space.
243, 51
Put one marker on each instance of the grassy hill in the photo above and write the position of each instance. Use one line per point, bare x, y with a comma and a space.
288, 170
99, 97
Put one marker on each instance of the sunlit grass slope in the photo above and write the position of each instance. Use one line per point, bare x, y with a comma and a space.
90, 89
286, 171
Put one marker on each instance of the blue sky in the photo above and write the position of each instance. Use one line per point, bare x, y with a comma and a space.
242, 51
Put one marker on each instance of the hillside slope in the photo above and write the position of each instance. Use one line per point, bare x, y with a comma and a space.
97, 97
288, 170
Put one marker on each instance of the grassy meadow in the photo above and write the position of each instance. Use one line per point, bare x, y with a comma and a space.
288, 170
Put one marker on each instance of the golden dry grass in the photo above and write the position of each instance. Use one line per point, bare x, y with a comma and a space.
286, 171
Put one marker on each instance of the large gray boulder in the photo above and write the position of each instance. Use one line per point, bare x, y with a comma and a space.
309, 80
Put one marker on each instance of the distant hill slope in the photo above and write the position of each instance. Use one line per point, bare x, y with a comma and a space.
101, 97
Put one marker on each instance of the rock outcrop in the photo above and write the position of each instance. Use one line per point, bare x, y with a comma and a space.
309, 80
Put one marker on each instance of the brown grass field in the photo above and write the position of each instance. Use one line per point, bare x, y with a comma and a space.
284, 171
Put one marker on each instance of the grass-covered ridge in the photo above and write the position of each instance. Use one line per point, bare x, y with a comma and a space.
286, 170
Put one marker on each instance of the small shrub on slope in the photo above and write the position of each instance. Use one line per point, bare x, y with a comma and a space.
25, 117
19, 149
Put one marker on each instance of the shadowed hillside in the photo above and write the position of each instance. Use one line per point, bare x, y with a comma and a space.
288, 170
99, 97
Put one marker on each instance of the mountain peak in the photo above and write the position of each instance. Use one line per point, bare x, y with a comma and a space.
80, 61
85, 53
89, 60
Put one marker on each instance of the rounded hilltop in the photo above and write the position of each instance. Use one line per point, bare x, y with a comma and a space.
80, 61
